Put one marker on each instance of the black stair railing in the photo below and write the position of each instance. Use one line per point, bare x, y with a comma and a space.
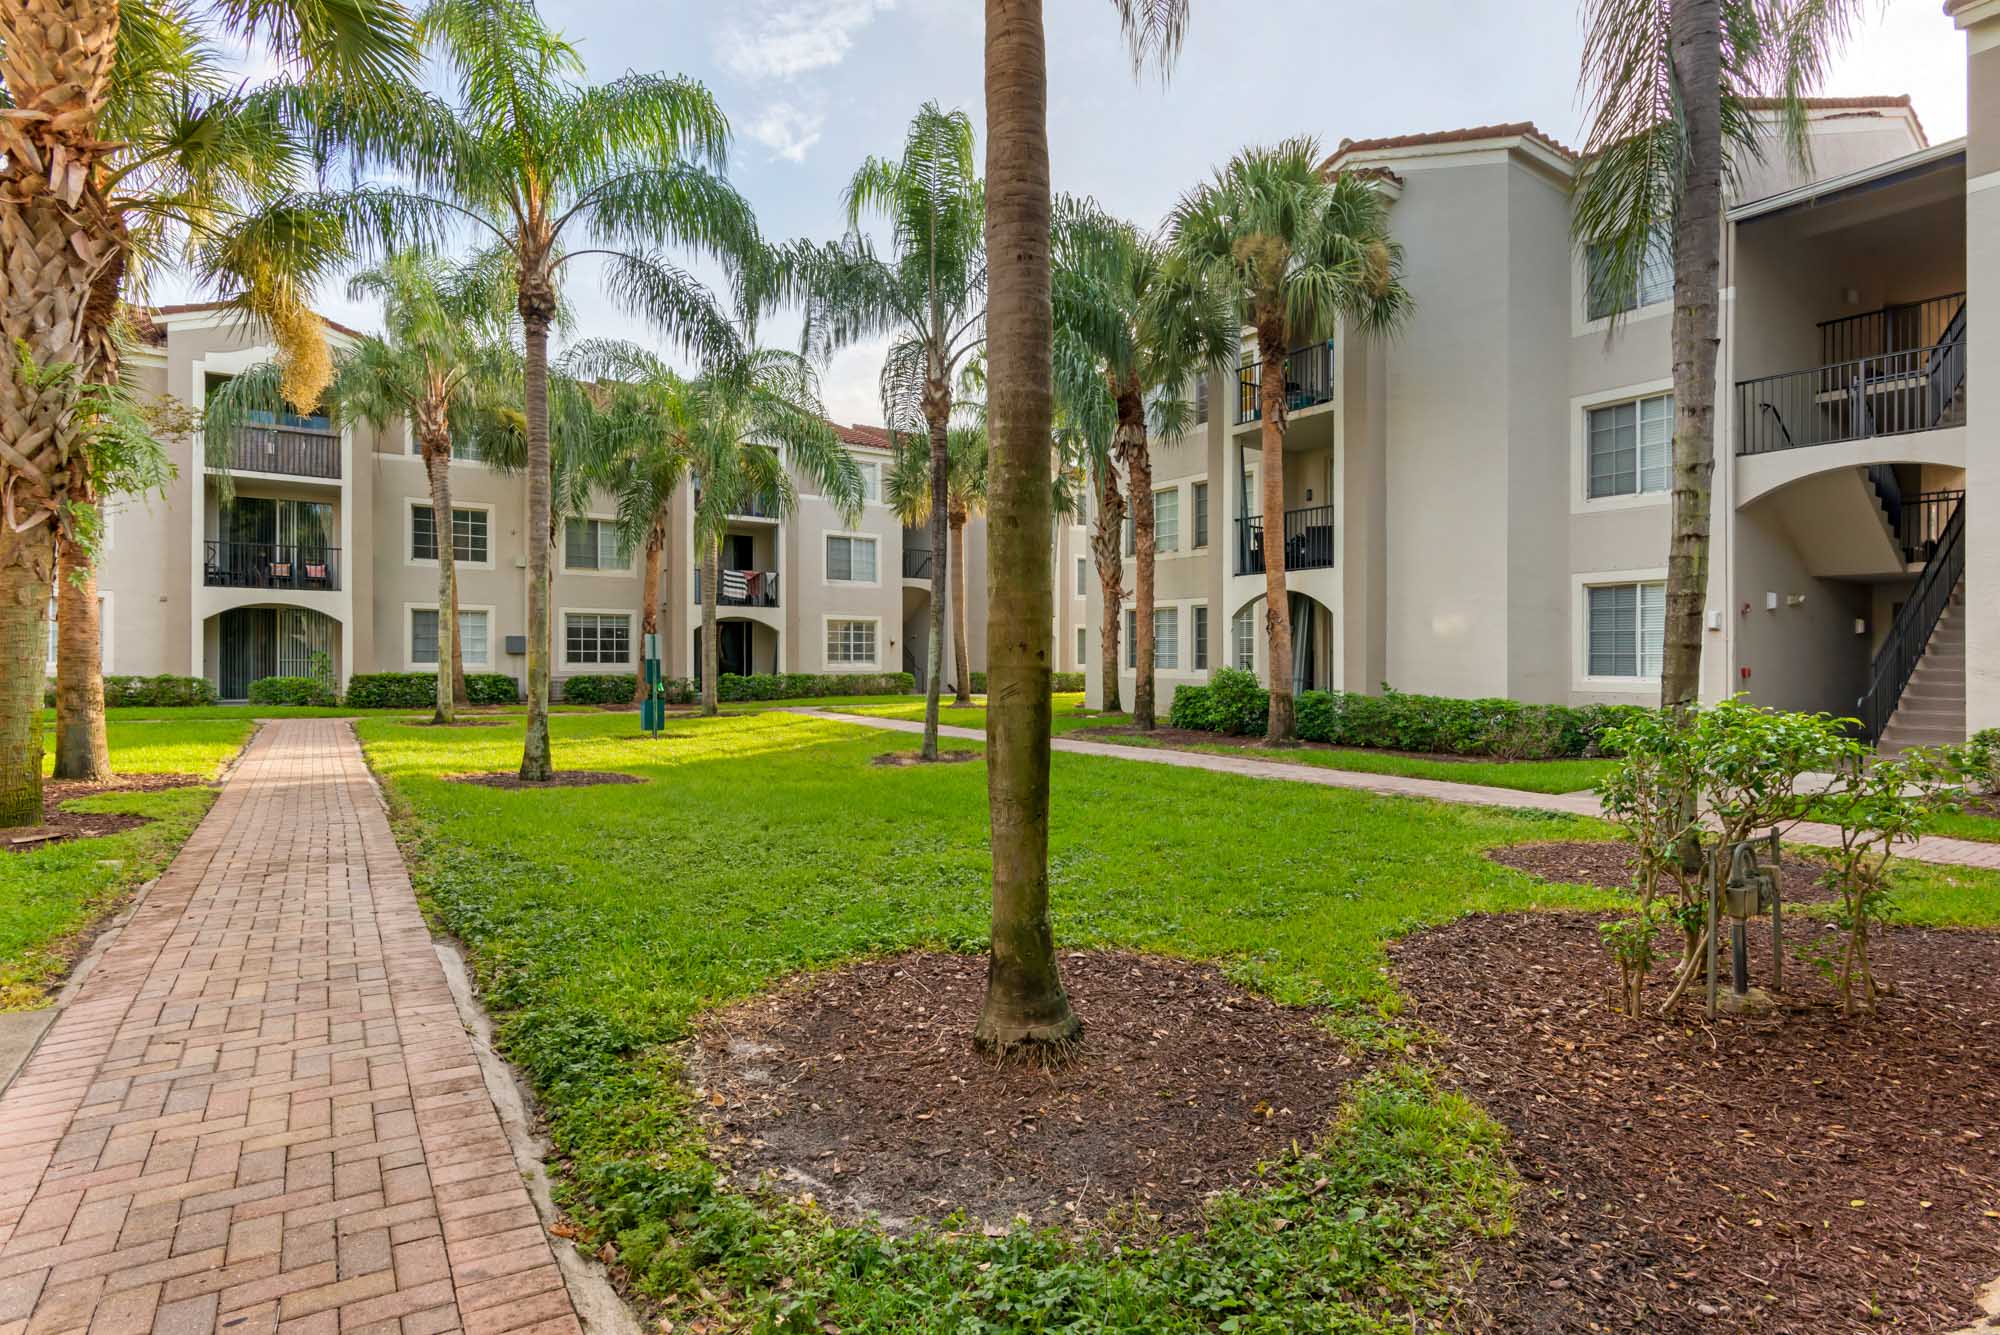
1910, 635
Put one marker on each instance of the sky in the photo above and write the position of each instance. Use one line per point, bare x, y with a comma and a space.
811, 87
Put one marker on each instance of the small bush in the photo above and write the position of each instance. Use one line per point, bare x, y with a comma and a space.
811, 685
163, 690
608, 688
1193, 709
1240, 706
393, 690
1058, 682
292, 691
492, 688
1313, 711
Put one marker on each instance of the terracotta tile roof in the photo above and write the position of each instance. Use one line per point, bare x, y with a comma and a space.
143, 319
874, 437
1471, 134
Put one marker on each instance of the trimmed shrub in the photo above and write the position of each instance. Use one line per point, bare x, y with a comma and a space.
609, 688
393, 690
810, 685
492, 688
1193, 708
1058, 682
679, 690
1240, 706
163, 690
292, 691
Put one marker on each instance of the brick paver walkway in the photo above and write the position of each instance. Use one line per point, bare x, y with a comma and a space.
1930, 848
261, 1113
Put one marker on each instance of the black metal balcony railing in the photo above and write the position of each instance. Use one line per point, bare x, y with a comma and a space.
270, 565
917, 562
1915, 324
1308, 541
1308, 382
1924, 519
1887, 394
743, 588
1910, 634
296, 451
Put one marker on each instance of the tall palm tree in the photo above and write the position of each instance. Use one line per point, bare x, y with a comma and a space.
911, 495
1304, 254
1668, 85
928, 295
1151, 322
554, 171
109, 105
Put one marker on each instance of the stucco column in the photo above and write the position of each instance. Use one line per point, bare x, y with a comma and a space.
1980, 19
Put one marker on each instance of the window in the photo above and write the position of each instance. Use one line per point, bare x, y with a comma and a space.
1630, 447
597, 638
1654, 282
1167, 520
469, 535
1198, 648
1166, 638
850, 560
1082, 577
871, 478
1243, 639
472, 639
1628, 624
850, 642
1201, 514
1131, 538
1082, 641
594, 544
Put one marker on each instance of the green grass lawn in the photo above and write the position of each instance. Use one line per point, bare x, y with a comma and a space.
1070, 713
50, 896
1964, 825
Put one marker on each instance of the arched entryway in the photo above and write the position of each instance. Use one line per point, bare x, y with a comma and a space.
744, 647
247, 644
1315, 647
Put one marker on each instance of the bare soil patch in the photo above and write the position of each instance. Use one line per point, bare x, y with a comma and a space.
1791, 1172
1609, 864
903, 759
59, 824
563, 778
861, 1086
416, 721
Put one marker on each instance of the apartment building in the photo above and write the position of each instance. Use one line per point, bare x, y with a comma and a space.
318, 538
1479, 505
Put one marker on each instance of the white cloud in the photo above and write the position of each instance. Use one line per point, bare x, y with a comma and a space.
787, 131
781, 39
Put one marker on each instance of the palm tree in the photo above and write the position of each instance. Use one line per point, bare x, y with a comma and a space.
554, 171
928, 295
117, 132
910, 494
1303, 253
1668, 87
1149, 322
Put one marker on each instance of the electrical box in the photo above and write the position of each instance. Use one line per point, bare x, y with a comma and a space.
517, 644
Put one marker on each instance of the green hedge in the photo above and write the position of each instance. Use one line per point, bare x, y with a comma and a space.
292, 691
601, 688
810, 685
164, 689
1058, 682
418, 690
492, 688
1233, 703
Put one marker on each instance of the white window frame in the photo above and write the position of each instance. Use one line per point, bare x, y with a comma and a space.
1245, 615
563, 615
410, 663
843, 665
412, 450
1581, 678
411, 504
826, 560
1177, 549
104, 624
625, 571
1130, 628
1581, 502
1198, 638
880, 468
1199, 541
1082, 647
1581, 322
1082, 578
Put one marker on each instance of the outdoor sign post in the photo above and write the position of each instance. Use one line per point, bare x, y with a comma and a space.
653, 712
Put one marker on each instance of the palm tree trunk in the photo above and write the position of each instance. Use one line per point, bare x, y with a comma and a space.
82, 751
460, 697
437, 463
1131, 450
1282, 726
938, 414
536, 313
649, 595
1105, 542
1695, 43
960, 654
1026, 1007
25, 570
711, 654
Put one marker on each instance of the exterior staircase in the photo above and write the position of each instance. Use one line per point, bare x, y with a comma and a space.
1931, 711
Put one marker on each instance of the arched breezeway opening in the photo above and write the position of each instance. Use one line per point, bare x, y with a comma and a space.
1314, 642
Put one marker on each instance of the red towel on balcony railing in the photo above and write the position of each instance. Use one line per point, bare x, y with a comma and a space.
735, 584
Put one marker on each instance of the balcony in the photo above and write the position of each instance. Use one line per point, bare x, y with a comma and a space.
1308, 382
917, 562
1308, 541
743, 588
270, 565
292, 450
1889, 372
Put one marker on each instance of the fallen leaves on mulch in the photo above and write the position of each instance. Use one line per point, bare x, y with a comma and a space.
563, 778
1792, 1172
905, 759
861, 1087
60, 824
1609, 864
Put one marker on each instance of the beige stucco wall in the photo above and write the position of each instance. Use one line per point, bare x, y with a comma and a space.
1982, 210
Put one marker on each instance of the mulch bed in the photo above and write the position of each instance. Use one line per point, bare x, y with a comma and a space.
60, 824
1789, 1172
564, 778
902, 759
420, 722
861, 1087
1609, 864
